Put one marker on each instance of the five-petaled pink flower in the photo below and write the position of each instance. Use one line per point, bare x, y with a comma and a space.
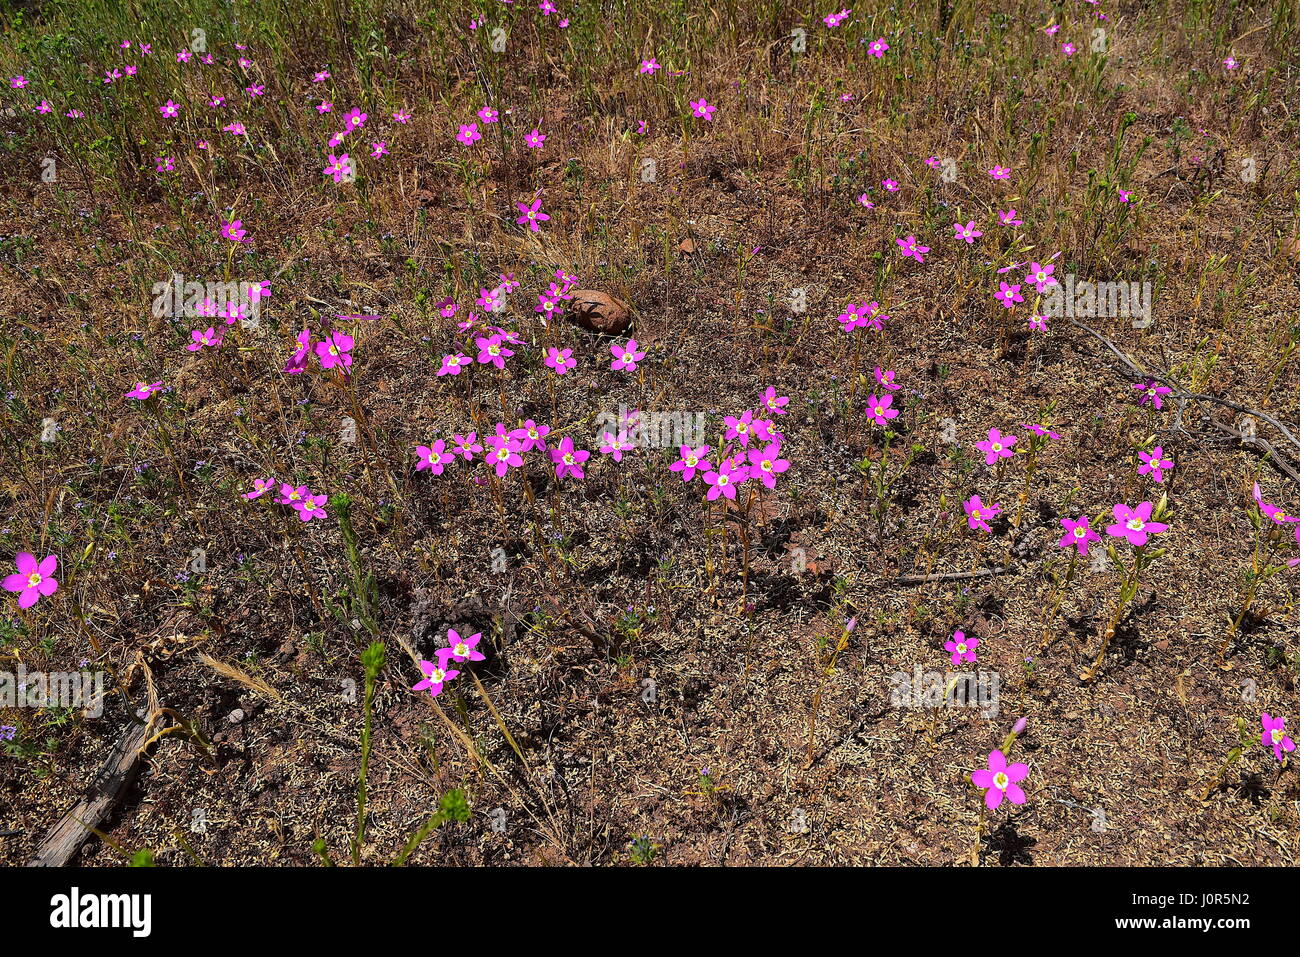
1274, 735
625, 357
701, 109
911, 247
434, 678
1077, 534
1001, 780
1151, 393
460, 649
962, 648
34, 580
878, 408
1154, 463
978, 514
433, 458
531, 215
568, 460
1134, 524
996, 446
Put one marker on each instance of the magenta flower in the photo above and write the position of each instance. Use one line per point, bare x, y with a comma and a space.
968, 232
434, 678
649, 66
996, 446
1040, 276
234, 231
911, 247
616, 445
469, 133
885, 379
460, 649
1008, 218
298, 361
504, 455
692, 460
170, 110
535, 139
878, 408
978, 514
334, 350
877, 47
1134, 524
740, 428
532, 215
725, 479
1000, 172
488, 115
531, 436
33, 580
466, 446
568, 460
292, 496
1272, 512
310, 507
561, 360
1153, 462
339, 167
1151, 393
208, 337
1078, 534
1274, 735
143, 390
492, 351
452, 363
260, 488
774, 403
354, 120
1008, 294
1001, 780
626, 356
766, 464
702, 110
962, 648
433, 458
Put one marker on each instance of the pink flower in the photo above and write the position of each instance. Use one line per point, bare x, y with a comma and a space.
625, 357
967, 232
1038, 323
561, 360
460, 649
877, 48
1040, 276
1272, 512
1000, 172
701, 109
208, 337
469, 133
962, 648
339, 167
774, 403
170, 110
531, 436
740, 428
1008, 295
1274, 735
532, 215
1151, 392
143, 390
452, 364
234, 231
1153, 463
292, 496
568, 460
978, 514
298, 361
878, 409
649, 66
33, 580
725, 479
885, 379
433, 458
466, 446
996, 446
260, 488
1078, 534
334, 350
504, 455
1134, 524
911, 247
1229, 63
1001, 780
692, 460
488, 115
1008, 218
491, 351
310, 507
766, 464
434, 678
1067, 49
616, 445
535, 139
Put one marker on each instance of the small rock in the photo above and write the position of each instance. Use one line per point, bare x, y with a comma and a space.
235, 716
599, 312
